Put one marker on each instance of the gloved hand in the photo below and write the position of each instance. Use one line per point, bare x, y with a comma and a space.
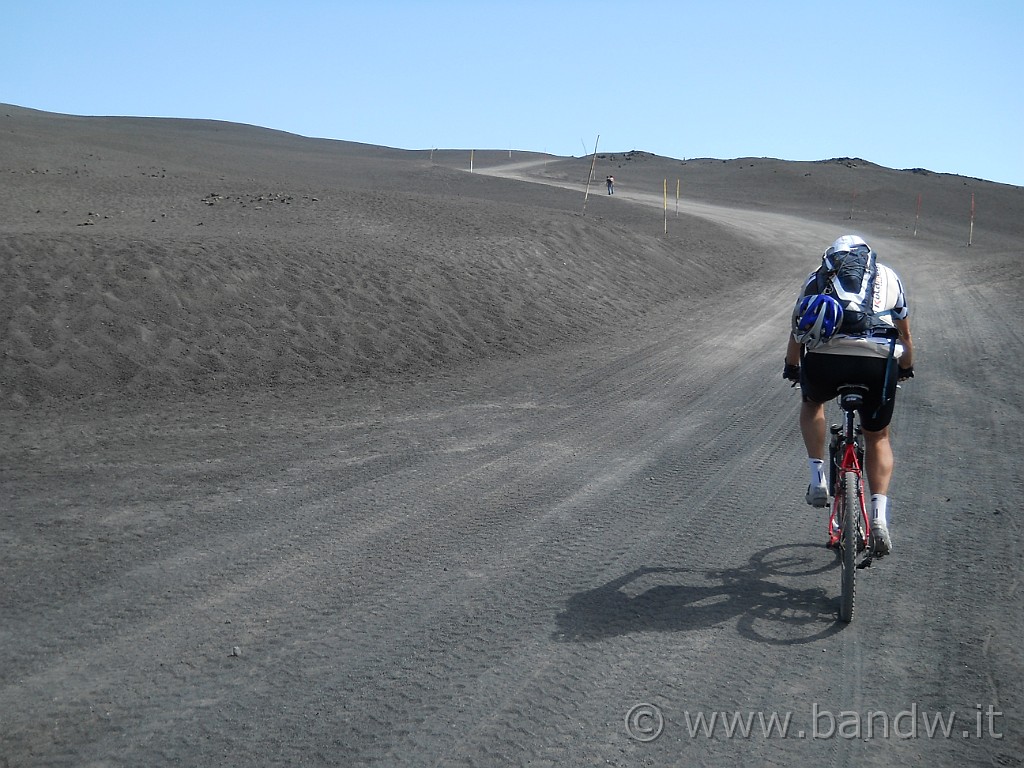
791, 373
906, 373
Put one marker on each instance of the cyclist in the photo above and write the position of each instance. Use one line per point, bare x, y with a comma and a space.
851, 326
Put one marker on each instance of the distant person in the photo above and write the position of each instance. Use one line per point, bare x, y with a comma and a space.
851, 326
609, 182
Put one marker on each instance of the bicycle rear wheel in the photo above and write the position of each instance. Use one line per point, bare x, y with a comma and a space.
833, 459
849, 511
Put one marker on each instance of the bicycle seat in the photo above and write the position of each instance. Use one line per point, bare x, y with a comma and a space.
851, 396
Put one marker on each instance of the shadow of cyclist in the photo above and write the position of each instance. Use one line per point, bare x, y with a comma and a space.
672, 599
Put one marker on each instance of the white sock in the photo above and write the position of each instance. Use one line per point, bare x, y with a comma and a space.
817, 467
880, 507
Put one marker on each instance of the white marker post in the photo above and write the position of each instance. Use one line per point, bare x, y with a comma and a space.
677, 197
970, 235
471, 161
664, 186
917, 217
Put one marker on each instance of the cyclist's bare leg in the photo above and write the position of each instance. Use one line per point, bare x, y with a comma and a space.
812, 427
879, 460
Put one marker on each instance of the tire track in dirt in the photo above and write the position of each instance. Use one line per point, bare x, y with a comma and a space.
204, 591
493, 571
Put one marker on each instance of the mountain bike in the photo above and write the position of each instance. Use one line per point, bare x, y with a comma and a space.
849, 527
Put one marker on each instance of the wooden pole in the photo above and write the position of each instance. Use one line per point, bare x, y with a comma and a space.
590, 178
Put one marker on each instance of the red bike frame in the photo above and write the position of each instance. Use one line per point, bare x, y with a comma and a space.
849, 463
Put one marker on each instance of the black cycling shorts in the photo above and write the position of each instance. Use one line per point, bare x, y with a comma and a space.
821, 375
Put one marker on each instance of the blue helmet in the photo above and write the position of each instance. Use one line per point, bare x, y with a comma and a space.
816, 319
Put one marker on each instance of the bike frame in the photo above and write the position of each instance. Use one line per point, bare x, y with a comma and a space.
849, 512
850, 462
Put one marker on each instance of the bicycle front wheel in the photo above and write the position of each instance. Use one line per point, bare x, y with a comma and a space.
849, 510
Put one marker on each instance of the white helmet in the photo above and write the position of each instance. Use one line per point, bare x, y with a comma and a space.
844, 244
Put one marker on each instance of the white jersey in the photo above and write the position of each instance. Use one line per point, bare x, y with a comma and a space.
888, 303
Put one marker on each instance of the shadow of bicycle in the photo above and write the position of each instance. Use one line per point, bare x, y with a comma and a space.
672, 599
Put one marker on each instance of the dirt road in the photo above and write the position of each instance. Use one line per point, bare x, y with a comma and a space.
497, 568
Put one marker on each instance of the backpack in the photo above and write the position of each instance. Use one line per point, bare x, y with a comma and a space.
852, 284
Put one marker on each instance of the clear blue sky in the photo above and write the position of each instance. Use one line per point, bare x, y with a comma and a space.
937, 84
